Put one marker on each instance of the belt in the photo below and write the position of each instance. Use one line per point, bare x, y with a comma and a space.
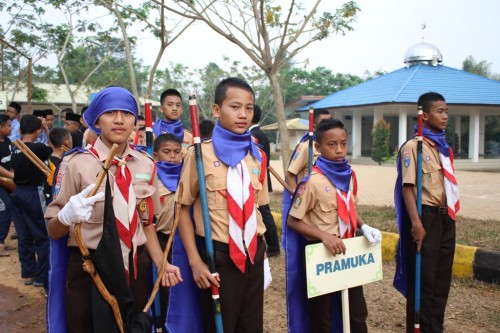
435, 210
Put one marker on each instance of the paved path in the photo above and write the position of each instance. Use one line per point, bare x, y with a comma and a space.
479, 191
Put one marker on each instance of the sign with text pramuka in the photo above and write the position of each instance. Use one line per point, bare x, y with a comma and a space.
326, 273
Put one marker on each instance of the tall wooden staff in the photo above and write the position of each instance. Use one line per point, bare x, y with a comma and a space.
193, 112
148, 117
419, 209
311, 139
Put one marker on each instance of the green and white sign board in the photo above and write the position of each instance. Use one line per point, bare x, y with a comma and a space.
362, 264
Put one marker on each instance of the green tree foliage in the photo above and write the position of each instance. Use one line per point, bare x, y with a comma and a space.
381, 133
482, 68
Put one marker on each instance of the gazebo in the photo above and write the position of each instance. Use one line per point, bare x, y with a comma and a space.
393, 96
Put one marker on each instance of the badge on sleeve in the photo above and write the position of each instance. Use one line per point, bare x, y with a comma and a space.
406, 158
298, 201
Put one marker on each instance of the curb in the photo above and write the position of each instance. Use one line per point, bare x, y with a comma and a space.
469, 262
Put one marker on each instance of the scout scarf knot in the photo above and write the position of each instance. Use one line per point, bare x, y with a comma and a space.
124, 204
339, 174
169, 174
231, 148
173, 127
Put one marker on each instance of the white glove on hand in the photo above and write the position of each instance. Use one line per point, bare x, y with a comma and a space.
79, 207
267, 274
373, 235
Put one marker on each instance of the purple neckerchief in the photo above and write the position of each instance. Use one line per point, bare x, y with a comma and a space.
439, 139
339, 173
169, 174
174, 127
231, 148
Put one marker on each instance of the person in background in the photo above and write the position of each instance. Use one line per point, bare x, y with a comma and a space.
271, 235
171, 107
167, 152
7, 175
72, 124
28, 204
14, 113
206, 129
64, 112
43, 137
49, 118
61, 142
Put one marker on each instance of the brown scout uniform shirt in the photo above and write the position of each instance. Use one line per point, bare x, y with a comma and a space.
77, 171
316, 204
433, 193
216, 184
298, 164
165, 218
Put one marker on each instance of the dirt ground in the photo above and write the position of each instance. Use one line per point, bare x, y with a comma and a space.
473, 306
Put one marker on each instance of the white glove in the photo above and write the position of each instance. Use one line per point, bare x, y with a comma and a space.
373, 235
79, 207
267, 274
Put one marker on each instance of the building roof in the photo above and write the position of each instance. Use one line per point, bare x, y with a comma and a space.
291, 124
405, 85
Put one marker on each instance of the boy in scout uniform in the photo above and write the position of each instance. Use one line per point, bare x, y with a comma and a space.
167, 152
432, 233
111, 114
171, 107
233, 171
323, 211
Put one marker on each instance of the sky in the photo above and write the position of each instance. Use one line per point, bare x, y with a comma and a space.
384, 31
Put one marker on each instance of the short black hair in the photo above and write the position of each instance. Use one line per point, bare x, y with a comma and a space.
426, 100
40, 113
257, 113
30, 124
84, 109
318, 113
230, 82
169, 92
16, 106
67, 110
326, 125
139, 117
206, 128
49, 112
57, 135
166, 137
3, 119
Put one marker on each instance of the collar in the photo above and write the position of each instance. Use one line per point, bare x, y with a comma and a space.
102, 151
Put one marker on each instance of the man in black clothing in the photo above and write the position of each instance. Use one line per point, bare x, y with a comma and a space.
28, 205
271, 235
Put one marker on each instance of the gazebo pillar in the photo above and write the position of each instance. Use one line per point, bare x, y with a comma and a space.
403, 125
474, 135
378, 114
482, 123
356, 133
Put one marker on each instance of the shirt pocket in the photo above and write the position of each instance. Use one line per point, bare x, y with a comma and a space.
328, 212
431, 174
257, 187
216, 192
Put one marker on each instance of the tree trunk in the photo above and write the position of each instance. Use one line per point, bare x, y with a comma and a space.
280, 111
128, 54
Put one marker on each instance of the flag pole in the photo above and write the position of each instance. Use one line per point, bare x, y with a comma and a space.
311, 137
193, 112
419, 209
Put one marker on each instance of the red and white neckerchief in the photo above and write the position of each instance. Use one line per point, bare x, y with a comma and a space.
450, 185
346, 213
124, 204
242, 215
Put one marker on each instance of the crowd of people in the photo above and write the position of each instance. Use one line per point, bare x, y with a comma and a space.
56, 209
